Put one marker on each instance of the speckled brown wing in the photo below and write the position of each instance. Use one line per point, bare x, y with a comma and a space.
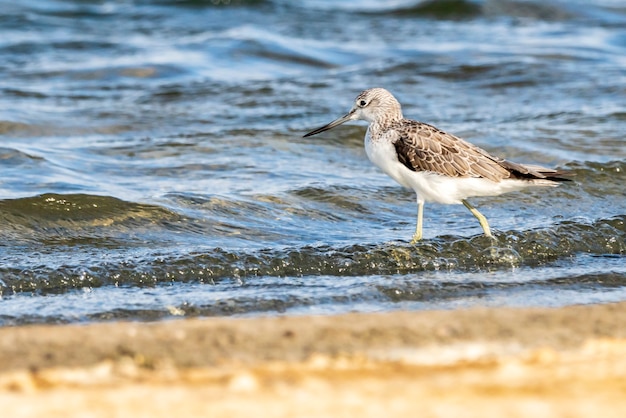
422, 147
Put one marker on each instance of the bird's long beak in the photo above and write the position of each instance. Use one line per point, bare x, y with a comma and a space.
336, 122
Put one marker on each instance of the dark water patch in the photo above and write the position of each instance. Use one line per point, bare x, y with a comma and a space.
341, 197
10, 157
211, 3
426, 291
62, 47
224, 208
442, 9
276, 52
500, 74
76, 208
469, 9
497, 75
95, 223
530, 249
21, 129
600, 179
530, 10
22, 93
53, 219
521, 11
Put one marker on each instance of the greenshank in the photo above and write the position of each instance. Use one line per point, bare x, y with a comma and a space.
438, 166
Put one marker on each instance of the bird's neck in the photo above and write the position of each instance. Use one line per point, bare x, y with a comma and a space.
381, 124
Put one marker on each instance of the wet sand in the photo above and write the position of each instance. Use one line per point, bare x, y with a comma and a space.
496, 362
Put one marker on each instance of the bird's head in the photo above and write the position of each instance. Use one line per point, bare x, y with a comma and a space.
375, 105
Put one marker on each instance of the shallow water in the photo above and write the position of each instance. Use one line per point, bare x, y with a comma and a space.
153, 164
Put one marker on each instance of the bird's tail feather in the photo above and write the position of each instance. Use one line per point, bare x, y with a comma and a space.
535, 172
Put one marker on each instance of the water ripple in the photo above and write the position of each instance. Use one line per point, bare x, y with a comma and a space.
511, 249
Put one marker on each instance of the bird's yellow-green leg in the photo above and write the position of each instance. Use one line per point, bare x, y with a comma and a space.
481, 218
420, 215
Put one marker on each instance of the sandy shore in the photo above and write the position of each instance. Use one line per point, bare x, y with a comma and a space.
568, 362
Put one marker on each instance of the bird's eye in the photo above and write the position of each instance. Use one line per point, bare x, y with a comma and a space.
362, 103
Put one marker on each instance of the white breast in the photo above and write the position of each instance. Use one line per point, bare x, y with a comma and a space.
383, 154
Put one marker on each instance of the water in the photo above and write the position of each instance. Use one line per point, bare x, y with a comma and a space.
153, 165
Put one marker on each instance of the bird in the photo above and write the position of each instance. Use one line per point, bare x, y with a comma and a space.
438, 166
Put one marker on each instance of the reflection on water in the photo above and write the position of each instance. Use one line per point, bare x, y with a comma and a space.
152, 159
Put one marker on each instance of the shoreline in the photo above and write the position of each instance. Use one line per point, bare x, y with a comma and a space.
476, 362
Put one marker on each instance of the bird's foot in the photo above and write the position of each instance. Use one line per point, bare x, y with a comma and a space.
416, 238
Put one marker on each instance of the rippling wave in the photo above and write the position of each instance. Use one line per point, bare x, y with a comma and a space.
602, 238
226, 271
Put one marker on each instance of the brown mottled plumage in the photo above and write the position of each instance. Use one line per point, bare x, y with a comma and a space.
423, 147
440, 167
